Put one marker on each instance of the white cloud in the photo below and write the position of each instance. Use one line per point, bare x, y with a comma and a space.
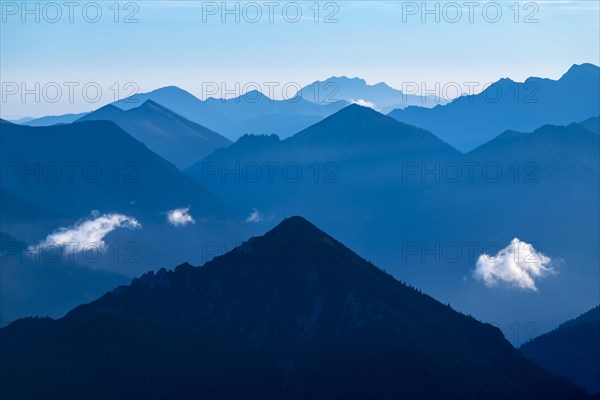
85, 233
255, 216
364, 103
518, 264
180, 217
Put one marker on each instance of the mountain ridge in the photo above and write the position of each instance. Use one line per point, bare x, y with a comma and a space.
341, 316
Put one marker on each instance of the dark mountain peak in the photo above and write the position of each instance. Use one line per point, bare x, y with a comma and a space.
293, 228
296, 241
3, 121
329, 315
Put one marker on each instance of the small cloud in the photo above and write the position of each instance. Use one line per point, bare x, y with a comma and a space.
518, 264
364, 103
180, 217
76, 237
255, 216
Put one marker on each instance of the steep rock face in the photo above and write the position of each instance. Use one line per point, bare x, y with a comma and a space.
291, 314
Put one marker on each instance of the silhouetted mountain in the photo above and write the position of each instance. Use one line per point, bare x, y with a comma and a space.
291, 314
72, 170
53, 119
470, 121
169, 135
353, 154
572, 350
122, 174
358, 131
379, 96
412, 192
252, 112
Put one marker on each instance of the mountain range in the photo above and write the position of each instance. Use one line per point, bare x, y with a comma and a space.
94, 170
267, 116
291, 314
422, 189
169, 135
470, 121
356, 90
357, 164
251, 112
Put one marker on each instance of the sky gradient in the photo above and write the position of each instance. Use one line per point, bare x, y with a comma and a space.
187, 44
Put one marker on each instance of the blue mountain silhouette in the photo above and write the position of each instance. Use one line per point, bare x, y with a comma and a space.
291, 314
470, 121
169, 135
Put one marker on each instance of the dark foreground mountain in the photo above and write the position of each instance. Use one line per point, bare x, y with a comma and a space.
176, 139
291, 314
572, 350
470, 121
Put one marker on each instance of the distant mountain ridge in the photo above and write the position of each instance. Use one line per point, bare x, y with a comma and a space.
251, 112
52, 119
171, 136
470, 121
290, 314
355, 90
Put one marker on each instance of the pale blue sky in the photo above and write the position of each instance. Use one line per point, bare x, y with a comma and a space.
172, 45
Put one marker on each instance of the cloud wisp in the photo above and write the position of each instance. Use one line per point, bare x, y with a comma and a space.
517, 265
89, 232
364, 103
180, 217
255, 216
